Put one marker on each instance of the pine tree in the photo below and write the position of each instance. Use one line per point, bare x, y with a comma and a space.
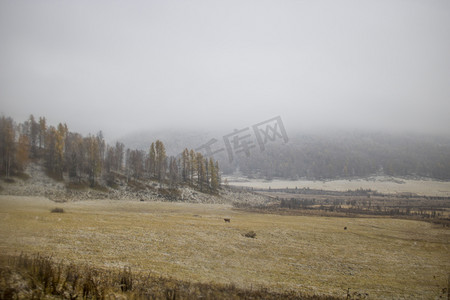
161, 160
109, 159
23, 152
93, 159
217, 172
42, 131
185, 165
152, 160
200, 170
74, 155
33, 132
193, 166
51, 160
118, 156
127, 163
136, 163
214, 176
207, 172
173, 172
60, 137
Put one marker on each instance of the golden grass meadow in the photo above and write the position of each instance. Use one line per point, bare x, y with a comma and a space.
381, 257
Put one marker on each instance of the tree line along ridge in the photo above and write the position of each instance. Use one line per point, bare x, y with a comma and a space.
89, 159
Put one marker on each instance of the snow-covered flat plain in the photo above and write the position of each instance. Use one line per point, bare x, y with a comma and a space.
383, 184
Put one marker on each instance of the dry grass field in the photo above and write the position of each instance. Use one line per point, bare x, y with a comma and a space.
383, 257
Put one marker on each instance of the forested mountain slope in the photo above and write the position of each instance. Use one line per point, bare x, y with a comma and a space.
325, 155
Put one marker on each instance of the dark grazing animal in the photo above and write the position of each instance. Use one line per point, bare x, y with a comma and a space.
227, 220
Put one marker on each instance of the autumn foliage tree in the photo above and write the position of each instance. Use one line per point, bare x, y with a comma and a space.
135, 163
89, 159
193, 166
23, 152
75, 153
215, 179
7, 145
201, 171
33, 135
160, 159
185, 165
173, 172
94, 160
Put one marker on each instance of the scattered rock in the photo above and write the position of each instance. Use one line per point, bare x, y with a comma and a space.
39, 184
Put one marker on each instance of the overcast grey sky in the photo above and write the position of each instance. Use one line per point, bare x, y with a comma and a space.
120, 66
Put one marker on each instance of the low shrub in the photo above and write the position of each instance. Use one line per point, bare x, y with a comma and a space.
112, 184
76, 186
55, 176
100, 188
57, 210
9, 180
136, 185
23, 176
170, 194
250, 234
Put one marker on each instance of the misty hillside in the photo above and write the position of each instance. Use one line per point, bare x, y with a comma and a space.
322, 155
174, 140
